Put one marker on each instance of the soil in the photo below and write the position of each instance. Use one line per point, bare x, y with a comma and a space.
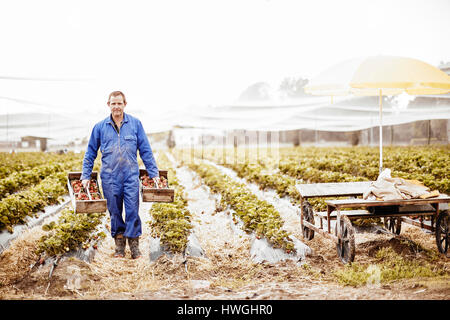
227, 271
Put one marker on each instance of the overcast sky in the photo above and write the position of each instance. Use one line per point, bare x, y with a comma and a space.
167, 54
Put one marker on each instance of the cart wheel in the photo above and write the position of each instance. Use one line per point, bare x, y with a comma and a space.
308, 215
346, 240
442, 231
394, 225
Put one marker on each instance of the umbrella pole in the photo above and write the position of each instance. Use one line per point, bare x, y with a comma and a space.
381, 131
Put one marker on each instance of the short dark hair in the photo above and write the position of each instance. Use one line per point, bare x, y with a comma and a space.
115, 94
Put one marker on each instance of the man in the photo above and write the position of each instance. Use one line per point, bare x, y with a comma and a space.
119, 136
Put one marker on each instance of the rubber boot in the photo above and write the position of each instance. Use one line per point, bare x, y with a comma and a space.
120, 241
134, 247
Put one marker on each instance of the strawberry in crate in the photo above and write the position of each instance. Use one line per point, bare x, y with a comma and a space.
95, 196
82, 196
77, 186
147, 182
93, 188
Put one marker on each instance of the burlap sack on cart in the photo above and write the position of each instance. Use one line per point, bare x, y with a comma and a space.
388, 188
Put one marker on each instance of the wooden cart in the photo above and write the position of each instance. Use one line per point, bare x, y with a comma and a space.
90, 205
156, 194
394, 213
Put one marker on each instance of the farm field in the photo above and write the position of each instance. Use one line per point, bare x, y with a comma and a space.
242, 208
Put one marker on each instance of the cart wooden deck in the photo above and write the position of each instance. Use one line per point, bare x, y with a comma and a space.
332, 189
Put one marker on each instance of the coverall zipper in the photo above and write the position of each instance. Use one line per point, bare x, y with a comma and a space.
117, 129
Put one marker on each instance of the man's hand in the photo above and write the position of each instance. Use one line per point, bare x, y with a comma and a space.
85, 183
157, 181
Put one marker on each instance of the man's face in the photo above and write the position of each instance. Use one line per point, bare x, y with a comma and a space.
116, 105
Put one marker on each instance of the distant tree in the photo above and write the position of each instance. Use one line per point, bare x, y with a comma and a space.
292, 87
259, 91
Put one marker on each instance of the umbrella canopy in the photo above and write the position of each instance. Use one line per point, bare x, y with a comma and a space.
378, 76
393, 75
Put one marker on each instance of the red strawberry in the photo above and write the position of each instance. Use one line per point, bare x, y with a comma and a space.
82, 196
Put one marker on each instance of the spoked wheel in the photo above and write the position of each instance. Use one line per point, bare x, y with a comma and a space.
308, 215
394, 225
442, 232
346, 240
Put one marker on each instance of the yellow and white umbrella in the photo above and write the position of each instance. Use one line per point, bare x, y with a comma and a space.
378, 76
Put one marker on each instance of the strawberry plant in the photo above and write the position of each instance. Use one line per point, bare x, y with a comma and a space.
16, 207
71, 232
26, 191
171, 222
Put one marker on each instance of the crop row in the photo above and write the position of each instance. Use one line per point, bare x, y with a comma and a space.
72, 231
44, 186
364, 161
171, 222
283, 184
21, 179
23, 161
16, 207
257, 215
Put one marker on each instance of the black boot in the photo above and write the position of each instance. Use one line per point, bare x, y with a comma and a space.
120, 246
134, 247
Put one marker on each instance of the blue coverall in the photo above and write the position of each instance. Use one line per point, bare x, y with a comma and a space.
120, 170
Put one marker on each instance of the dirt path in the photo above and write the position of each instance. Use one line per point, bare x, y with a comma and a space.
226, 250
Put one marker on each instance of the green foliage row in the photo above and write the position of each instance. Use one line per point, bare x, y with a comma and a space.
255, 172
44, 184
16, 207
306, 173
23, 161
21, 179
171, 222
72, 231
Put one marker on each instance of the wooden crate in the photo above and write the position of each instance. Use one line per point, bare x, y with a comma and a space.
86, 206
155, 194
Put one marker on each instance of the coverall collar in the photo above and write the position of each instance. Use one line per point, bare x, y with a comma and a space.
111, 121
